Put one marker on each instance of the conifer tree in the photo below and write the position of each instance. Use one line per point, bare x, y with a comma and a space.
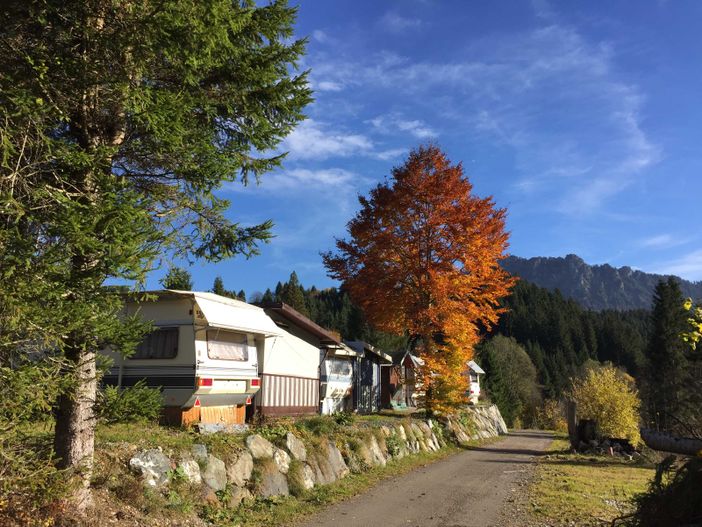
292, 294
667, 368
218, 286
241, 295
118, 122
177, 278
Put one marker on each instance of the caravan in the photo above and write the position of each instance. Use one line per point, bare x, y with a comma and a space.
202, 354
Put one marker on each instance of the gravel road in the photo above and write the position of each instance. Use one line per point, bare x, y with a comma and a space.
468, 489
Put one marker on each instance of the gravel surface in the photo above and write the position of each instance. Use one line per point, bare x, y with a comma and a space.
480, 487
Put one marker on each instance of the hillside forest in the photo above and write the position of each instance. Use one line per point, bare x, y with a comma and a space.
542, 341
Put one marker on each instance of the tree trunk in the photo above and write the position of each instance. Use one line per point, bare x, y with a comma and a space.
74, 438
668, 443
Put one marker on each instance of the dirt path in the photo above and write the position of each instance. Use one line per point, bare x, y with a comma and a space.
467, 489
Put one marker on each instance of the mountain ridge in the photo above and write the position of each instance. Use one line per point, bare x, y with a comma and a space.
595, 287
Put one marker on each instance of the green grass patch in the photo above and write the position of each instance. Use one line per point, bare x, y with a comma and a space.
577, 489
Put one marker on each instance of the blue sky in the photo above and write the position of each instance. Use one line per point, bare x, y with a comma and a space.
583, 119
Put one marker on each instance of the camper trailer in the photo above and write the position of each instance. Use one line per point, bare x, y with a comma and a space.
336, 378
202, 354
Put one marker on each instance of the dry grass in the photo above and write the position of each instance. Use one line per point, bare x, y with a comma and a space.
575, 489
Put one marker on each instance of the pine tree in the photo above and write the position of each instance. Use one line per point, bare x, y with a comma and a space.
666, 378
241, 295
218, 286
177, 278
292, 294
119, 121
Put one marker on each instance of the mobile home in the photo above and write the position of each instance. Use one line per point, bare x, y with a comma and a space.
202, 353
289, 364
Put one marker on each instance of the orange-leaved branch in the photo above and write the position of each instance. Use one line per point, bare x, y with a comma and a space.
422, 258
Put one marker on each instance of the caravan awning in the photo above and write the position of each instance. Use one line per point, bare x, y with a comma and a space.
226, 313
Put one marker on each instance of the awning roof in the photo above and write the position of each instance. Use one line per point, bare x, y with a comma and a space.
361, 346
473, 366
227, 313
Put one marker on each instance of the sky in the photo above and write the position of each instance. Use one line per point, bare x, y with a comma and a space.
582, 119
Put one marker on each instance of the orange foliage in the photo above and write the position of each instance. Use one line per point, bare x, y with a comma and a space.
422, 258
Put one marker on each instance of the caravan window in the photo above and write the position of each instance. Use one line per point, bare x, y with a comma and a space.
340, 367
225, 345
159, 344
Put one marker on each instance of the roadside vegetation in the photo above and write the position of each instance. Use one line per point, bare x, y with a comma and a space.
585, 490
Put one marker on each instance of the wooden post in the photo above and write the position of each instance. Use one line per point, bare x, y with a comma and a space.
572, 418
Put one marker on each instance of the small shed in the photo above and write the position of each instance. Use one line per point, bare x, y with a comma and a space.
367, 375
399, 381
474, 372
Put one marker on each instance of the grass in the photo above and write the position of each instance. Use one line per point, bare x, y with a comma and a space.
287, 510
576, 489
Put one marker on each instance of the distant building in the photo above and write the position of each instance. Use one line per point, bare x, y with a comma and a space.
400, 387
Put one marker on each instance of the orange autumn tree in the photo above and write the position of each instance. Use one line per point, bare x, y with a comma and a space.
422, 259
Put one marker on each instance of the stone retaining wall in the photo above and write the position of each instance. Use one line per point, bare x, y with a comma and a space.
264, 469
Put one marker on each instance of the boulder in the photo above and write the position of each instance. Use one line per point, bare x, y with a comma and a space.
239, 472
208, 496
215, 473
400, 430
282, 460
191, 470
199, 452
259, 447
153, 465
323, 471
376, 452
307, 476
238, 495
385, 430
296, 447
336, 460
272, 482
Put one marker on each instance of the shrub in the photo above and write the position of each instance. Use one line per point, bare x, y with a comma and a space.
551, 416
393, 444
343, 418
608, 396
134, 403
320, 425
673, 497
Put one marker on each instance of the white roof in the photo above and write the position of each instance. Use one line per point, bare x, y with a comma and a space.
417, 361
473, 366
227, 313
359, 346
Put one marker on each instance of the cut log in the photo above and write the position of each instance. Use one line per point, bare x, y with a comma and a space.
667, 443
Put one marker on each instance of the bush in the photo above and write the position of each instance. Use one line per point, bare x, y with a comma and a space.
551, 416
320, 425
673, 497
344, 418
31, 488
134, 403
608, 396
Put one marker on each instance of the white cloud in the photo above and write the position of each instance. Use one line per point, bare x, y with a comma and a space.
387, 155
397, 23
328, 86
306, 179
688, 266
314, 140
662, 241
393, 122
320, 36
